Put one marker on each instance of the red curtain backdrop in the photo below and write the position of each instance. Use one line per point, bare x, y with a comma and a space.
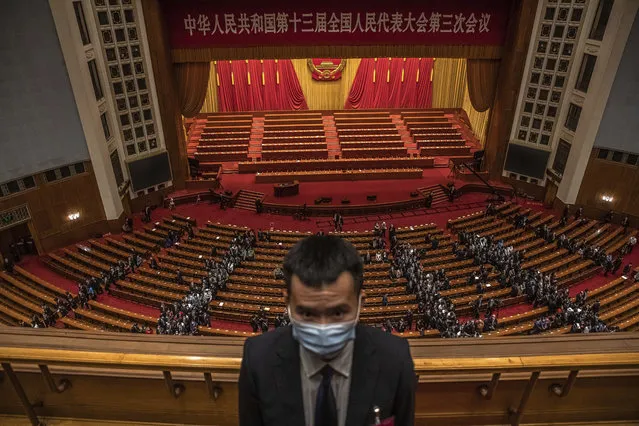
392, 83
257, 85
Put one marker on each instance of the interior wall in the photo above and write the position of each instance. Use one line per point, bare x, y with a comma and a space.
621, 182
326, 95
511, 71
51, 203
167, 93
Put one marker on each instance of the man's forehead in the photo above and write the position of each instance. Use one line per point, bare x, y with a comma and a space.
342, 286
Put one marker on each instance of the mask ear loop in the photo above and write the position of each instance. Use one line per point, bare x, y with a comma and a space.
359, 308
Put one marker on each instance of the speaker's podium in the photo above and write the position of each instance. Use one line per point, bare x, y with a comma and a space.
286, 189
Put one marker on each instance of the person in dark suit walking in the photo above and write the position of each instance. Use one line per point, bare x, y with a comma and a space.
325, 369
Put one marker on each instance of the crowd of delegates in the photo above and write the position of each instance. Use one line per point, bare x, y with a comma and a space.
539, 289
504, 264
379, 236
88, 290
378, 244
184, 317
581, 317
63, 306
607, 261
494, 261
433, 310
259, 321
192, 311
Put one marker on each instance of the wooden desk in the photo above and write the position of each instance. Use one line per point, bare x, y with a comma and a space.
286, 189
338, 175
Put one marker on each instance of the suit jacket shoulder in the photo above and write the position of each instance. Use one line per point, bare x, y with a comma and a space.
270, 390
387, 344
265, 340
262, 350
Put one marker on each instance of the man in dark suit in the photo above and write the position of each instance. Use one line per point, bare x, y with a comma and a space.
325, 369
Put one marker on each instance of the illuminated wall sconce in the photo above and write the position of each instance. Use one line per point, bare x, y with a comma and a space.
74, 216
607, 198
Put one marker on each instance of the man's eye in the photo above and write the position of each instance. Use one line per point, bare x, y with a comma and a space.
306, 315
338, 314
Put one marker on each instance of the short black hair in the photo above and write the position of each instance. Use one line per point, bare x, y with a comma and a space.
320, 259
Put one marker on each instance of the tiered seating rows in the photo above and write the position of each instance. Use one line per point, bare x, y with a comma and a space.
444, 150
303, 145
343, 164
374, 152
295, 154
334, 175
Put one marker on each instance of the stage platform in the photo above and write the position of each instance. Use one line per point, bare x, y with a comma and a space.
398, 191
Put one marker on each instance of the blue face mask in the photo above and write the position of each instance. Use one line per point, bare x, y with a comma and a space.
324, 339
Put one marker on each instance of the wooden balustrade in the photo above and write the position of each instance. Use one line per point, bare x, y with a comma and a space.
142, 378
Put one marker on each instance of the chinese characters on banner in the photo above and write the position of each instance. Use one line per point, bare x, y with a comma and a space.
204, 24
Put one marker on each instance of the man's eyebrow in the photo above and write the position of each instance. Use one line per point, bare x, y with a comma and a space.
341, 306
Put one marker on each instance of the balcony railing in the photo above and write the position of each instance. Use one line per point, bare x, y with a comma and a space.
175, 379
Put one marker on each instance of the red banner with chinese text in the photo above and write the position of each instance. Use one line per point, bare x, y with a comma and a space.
224, 23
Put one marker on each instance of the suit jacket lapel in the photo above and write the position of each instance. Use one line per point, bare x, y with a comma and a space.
363, 381
288, 379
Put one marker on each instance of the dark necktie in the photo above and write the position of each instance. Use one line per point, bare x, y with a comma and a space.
325, 407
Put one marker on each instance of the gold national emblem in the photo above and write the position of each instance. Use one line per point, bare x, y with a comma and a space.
326, 69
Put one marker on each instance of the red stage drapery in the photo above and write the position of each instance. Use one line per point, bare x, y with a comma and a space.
392, 83
256, 85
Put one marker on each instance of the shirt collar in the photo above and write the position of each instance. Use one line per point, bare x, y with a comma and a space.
312, 364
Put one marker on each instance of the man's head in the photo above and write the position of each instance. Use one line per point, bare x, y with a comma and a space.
324, 276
